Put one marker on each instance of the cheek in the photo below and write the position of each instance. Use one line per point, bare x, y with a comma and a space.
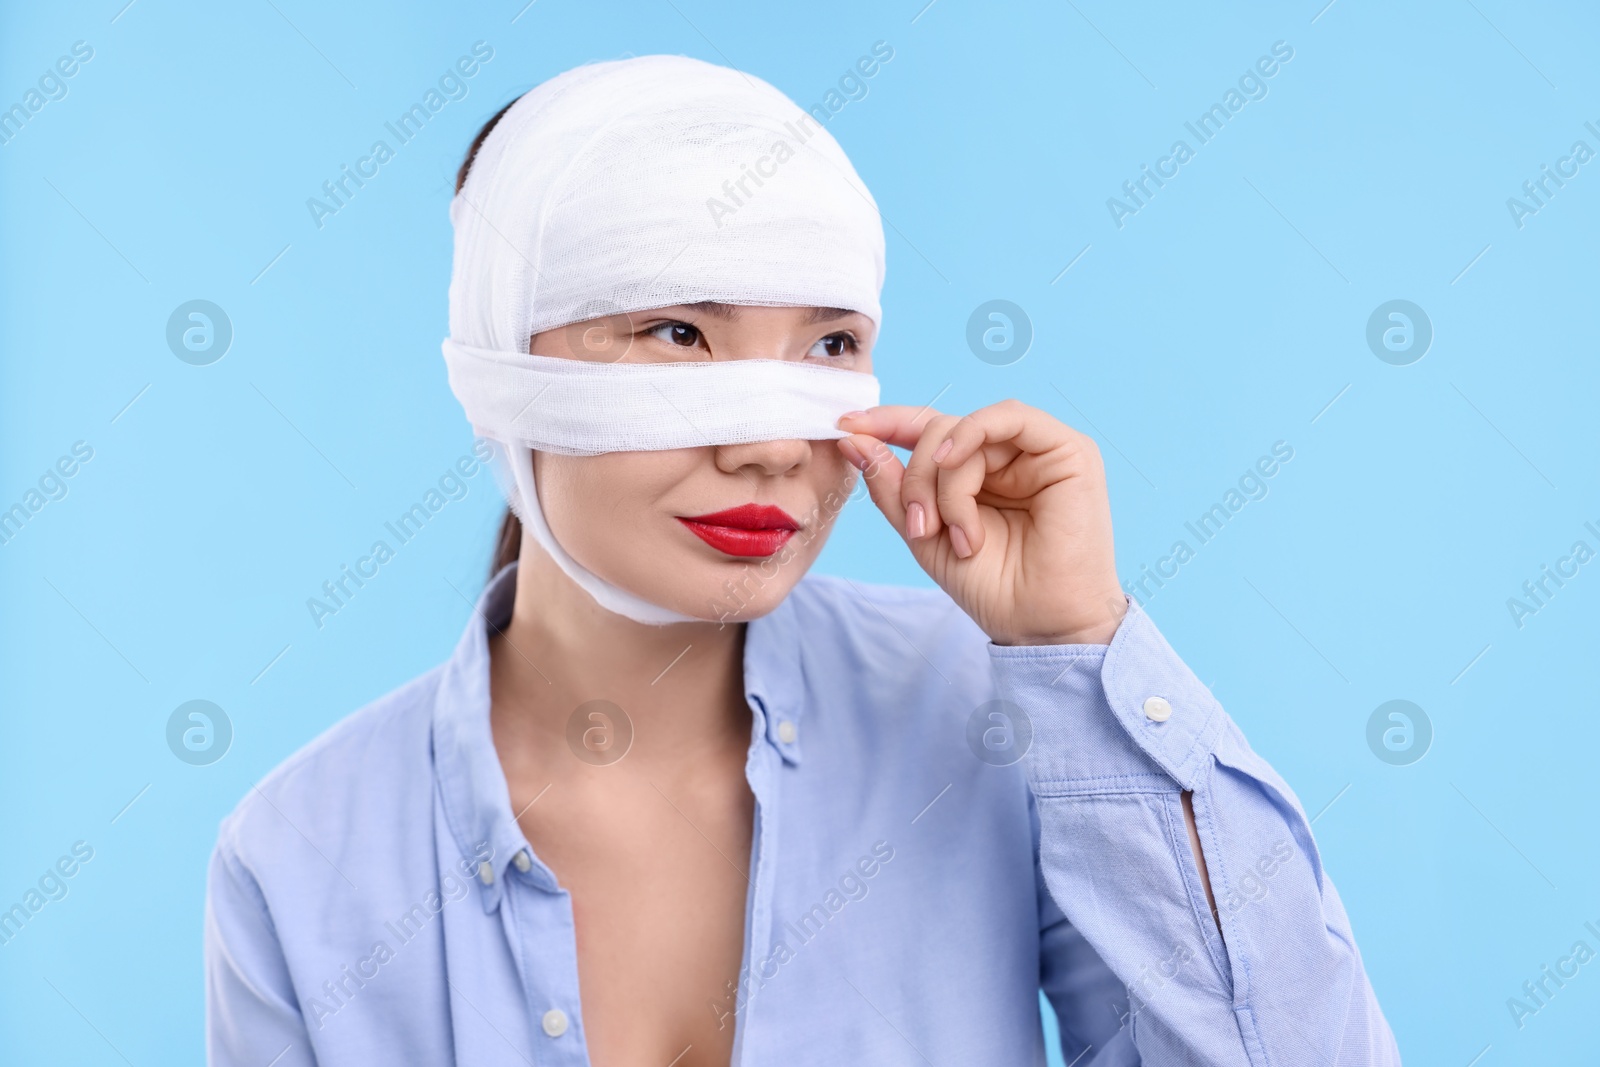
833, 479
601, 508
581, 494
829, 468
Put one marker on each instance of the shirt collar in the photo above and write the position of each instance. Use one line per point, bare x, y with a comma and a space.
472, 785
774, 678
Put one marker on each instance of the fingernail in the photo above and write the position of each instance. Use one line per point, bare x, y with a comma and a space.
958, 541
852, 453
943, 450
916, 521
852, 415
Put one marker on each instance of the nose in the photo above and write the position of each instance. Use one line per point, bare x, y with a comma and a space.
771, 458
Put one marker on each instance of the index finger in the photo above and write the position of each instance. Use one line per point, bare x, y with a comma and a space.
896, 424
1009, 422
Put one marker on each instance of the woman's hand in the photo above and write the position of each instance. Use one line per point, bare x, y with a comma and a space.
1006, 509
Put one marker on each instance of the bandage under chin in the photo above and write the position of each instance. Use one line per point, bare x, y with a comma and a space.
575, 408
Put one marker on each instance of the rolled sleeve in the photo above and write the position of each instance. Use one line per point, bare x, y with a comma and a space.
1118, 733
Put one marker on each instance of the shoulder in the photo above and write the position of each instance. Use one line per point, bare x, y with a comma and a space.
376, 759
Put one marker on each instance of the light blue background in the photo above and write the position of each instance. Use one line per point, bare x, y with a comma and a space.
1223, 317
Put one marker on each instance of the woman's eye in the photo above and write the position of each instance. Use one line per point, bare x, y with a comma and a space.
833, 346
677, 333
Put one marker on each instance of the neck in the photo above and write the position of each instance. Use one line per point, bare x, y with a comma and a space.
681, 686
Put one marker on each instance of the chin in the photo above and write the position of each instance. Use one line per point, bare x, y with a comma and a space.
737, 590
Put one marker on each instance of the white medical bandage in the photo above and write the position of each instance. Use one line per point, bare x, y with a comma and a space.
640, 184
576, 408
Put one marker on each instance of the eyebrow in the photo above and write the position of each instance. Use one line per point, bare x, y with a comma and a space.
716, 309
730, 312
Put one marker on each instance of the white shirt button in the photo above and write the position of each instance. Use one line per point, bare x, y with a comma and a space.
485, 873
554, 1022
1156, 709
522, 860
787, 732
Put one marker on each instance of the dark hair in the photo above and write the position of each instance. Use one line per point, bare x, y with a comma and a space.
508, 543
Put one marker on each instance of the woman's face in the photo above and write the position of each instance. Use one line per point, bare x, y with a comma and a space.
719, 533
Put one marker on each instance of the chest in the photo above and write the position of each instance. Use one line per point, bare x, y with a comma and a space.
658, 873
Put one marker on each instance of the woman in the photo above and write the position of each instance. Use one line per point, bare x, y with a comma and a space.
672, 801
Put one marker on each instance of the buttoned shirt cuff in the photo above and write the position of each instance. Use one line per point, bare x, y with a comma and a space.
1110, 717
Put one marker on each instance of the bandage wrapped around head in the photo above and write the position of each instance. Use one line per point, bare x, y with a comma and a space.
639, 184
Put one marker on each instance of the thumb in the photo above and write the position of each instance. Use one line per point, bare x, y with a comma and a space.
882, 471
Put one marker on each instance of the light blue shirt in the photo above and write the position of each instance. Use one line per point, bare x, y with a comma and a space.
914, 883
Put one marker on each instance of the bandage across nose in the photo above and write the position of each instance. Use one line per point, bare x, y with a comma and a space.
578, 408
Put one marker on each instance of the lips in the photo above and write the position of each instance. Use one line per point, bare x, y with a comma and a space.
750, 530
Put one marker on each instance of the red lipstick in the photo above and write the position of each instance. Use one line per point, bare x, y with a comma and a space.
747, 530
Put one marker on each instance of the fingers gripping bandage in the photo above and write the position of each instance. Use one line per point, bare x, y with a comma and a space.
639, 184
